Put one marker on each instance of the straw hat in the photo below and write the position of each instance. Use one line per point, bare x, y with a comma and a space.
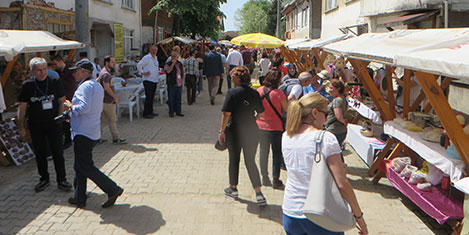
324, 75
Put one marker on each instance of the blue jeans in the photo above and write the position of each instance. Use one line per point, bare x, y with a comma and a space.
296, 226
174, 99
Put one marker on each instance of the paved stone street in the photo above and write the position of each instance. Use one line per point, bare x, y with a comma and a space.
173, 182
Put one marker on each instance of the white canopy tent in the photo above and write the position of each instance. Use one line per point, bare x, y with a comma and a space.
290, 44
177, 38
14, 42
315, 43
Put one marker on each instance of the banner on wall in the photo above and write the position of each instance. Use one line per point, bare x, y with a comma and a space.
118, 42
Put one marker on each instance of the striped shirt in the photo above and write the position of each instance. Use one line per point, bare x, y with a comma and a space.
191, 66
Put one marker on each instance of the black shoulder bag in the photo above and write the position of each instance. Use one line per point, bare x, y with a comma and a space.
267, 97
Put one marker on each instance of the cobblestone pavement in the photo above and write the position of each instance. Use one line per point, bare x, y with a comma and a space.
173, 180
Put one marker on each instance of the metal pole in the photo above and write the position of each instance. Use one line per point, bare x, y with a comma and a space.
277, 30
82, 27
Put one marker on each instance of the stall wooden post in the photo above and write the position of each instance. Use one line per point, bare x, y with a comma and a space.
287, 53
395, 152
318, 58
391, 100
371, 88
70, 55
309, 61
444, 85
381, 156
297, 61
419, 100
447, 117
406, 92
8, 70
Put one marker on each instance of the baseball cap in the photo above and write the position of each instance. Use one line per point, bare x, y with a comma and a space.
83, 65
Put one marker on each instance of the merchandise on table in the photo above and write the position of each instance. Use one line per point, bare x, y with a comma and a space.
19, 151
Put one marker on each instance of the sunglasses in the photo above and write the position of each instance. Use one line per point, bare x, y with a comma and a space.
325, 112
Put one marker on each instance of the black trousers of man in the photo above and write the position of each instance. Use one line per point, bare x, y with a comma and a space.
67, 133
190, 86
85, 168
150, 89
43, 135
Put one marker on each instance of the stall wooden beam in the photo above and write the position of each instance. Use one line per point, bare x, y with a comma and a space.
391, 100
381, 156
309, 61
447, 117
406, 92
395, 152
8, 70
298, 63
375, 94
444, 85
318, 58
70, 55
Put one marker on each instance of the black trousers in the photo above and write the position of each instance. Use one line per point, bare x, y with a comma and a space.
270, 139
150, 89
43, 135
85, 168
247, 141
190, 86
67, 132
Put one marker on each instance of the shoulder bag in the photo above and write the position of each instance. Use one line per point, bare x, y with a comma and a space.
267, 97
324, 204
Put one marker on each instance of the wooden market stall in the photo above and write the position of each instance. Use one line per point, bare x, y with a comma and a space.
167, 45
430, 54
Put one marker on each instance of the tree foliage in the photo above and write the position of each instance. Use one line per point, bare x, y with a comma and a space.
195, 17
255, 16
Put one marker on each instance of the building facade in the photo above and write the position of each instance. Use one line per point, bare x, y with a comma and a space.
155, 26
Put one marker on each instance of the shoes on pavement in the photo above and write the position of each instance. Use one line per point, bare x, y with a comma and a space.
219, 93
212, 102
49, 158
100, 141
119, 141
148, 116
180, 114
155, 114
171, 115
64, 185
231, 192
74, 201
278, 184
67, 145
112, 198
266, 181
43, 184
260, 199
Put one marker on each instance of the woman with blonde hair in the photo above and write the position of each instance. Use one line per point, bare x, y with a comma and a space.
239, 129
305, 120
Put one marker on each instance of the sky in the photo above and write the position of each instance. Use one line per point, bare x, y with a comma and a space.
229, 9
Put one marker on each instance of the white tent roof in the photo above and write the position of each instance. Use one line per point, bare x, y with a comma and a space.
438, 51
178, 38
315, 43
14, 42
291, 43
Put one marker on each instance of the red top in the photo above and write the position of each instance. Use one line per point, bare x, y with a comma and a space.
270, 121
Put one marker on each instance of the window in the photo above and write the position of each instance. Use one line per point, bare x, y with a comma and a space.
128, 4
56, 28
306, 12
128, 42
331, 4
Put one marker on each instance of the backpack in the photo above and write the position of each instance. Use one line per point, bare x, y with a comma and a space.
287, 86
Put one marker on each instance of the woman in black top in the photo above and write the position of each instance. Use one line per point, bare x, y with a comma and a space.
239, 129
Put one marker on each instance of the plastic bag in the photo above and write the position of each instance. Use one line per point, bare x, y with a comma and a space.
425, 187
400, 162
417, 177
434, 175
407, 171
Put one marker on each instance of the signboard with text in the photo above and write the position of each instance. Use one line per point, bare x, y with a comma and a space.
118, 42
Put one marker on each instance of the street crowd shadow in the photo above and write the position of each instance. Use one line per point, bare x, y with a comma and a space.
137, 148
270, 211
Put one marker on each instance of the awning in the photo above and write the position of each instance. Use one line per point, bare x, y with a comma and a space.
180, 39
14, 42
315, 43
293, 42
437, 51
408, 19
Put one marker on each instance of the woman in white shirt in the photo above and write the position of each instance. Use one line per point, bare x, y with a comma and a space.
305, 120
264, 65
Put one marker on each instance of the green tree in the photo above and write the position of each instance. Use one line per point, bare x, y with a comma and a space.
255, 16
194, 17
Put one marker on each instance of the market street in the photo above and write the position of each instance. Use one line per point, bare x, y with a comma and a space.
173, 182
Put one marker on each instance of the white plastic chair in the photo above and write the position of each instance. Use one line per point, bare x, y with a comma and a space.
117, 80
128, 99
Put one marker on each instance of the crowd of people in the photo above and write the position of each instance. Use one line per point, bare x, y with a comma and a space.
285, 114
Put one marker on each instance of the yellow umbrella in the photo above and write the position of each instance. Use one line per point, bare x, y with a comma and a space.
258, 40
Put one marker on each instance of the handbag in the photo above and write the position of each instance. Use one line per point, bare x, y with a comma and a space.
324, 204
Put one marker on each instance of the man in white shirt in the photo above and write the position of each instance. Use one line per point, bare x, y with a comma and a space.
148, 67
84, 57
234, 59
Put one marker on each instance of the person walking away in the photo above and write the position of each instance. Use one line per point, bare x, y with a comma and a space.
213, 70
223, 60
174, 74
239, 130
305, 121
264, 65
69, 85
234, 59
85, 111
191, 70
109, 114
148, 67
247, 58
41, 100
200, 84
271, 127
336, 122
